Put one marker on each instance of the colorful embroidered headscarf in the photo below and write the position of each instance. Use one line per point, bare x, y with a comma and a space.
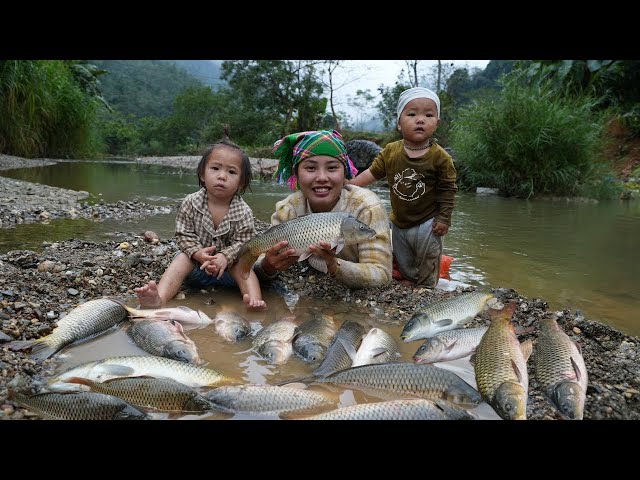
296, 147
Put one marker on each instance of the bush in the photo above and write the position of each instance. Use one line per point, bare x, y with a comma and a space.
527, 142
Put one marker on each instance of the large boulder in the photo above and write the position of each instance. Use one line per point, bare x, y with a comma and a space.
362, 153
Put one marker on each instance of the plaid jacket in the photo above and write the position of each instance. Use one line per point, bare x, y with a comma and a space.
195, 229
366, 264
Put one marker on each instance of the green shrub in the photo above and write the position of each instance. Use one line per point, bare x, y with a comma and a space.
527, 142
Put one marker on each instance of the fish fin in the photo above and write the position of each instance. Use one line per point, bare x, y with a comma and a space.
472, 359
304, 255
339, 245
42, 351
450, 347
348, 348
524, 331
376, 352
526, 347
318, 263
295, 380
443, 323
577, 346
246, 260
20, 345
81, 381
576, 368
517, 371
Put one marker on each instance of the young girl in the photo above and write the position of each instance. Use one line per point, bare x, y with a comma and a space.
211, 226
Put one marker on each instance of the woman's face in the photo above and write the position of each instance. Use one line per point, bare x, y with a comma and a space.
321, 179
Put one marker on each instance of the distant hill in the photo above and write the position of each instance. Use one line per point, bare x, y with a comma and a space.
144, 87
207, 71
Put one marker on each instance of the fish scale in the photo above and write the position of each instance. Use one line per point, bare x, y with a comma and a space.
497, 354
554, 354
337, 357
331, 227
83, 322
265, 399
142, 365
449, 345
443, 315
79, 406
156, 393
417, 409
421, 380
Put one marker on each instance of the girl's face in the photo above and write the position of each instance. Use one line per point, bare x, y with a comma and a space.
321, 179
418, 121
223, 174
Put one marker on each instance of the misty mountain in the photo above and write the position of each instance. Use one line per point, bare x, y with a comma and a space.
143, 87
207, 71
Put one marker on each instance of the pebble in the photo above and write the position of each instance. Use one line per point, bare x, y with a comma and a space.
577, 330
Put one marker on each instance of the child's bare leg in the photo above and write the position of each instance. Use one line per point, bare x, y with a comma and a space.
250, 288
154, 295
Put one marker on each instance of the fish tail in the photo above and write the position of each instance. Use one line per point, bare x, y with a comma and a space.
42, 351
20, 345
245, 261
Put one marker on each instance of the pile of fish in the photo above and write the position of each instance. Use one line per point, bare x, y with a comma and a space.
500, 360
350, 355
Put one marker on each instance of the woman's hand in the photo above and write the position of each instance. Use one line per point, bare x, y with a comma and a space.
328, 254
279, 258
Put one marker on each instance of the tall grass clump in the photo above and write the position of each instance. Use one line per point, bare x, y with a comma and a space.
43, 111
528, 142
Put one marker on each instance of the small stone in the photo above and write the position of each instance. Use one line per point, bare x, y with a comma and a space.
73, 292
99, 272
577, 330
46, 266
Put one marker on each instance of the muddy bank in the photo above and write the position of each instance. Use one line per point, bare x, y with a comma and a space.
37, 287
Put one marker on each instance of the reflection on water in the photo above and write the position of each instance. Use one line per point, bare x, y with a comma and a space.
577, 256
240, 362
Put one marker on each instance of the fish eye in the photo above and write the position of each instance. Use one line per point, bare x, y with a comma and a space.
508, 407
422, 348
270, 355
173, 322
410, 324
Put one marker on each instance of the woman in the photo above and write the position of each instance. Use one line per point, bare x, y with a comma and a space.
317, 165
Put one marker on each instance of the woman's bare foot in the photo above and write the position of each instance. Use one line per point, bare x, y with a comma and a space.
148, 295
254, 304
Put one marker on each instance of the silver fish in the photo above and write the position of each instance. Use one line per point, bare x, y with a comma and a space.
140, 366
312, 338
418, 380
449, 345
188, 317
164, 338
406, 409
261, 399
336, 228
501, 366
85, 321
78, 406
273, 342
377, 347
231, 326
560, 370
444, 315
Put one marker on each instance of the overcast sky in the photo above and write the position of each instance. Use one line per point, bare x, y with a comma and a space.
373, 73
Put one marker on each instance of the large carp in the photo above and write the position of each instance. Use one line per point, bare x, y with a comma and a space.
83, 322
78, 406
403, 409
560, 370
336, 228
164, 338
501, 366
444, 315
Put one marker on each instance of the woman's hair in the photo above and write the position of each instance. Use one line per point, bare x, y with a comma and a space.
246, 177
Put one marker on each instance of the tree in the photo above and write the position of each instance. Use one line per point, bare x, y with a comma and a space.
287, 91
360, 102
332, 86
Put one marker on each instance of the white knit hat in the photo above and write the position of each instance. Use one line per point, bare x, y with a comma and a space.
412, 94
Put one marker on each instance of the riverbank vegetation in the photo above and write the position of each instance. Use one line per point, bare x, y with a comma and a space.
525, 128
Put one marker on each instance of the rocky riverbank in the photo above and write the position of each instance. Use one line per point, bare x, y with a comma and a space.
37, 287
